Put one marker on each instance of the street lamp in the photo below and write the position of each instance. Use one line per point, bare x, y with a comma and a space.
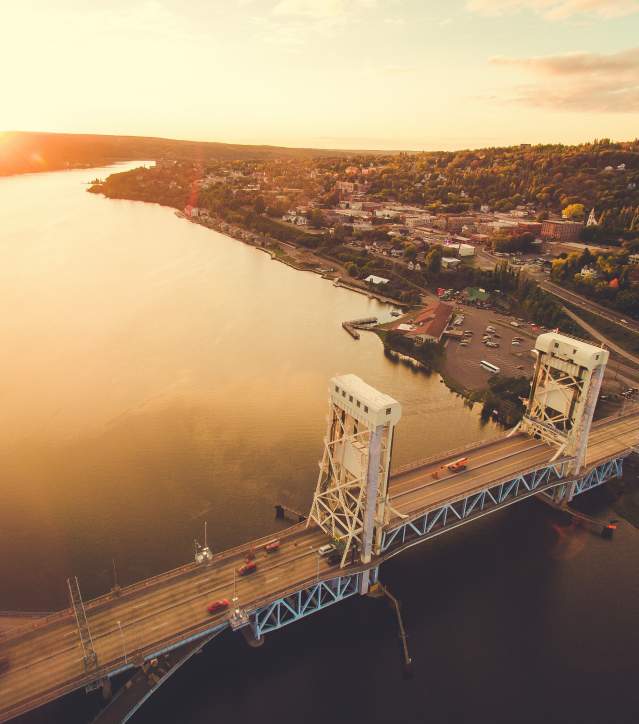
123, 646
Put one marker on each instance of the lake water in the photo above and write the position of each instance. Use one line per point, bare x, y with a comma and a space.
156, 374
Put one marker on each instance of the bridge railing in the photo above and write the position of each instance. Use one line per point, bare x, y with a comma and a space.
442, 456
398, 522
134, 588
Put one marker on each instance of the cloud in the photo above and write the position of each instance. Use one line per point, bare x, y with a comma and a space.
319, 9
293, 23
607, 83
557, 9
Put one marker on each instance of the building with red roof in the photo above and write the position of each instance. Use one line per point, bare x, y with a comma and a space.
426, 325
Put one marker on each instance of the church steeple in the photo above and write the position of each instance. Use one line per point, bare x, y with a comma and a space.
592, 219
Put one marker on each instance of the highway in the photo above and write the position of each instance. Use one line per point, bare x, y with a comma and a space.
589, 306
416, 491
46, 659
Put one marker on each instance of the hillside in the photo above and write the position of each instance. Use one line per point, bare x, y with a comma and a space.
22, 152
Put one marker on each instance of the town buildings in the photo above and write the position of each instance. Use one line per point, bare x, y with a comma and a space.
561, 230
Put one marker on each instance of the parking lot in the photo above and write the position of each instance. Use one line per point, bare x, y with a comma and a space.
462, 362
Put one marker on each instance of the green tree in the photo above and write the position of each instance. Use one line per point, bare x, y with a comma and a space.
352, 269
574, 212
433, 260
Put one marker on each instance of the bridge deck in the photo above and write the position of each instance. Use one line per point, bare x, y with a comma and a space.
46, 659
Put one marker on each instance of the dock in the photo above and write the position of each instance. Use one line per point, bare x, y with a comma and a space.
354, 324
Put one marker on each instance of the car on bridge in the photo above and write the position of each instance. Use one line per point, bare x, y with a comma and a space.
272, 546
456, 465
216, 606
248, 568
326, 549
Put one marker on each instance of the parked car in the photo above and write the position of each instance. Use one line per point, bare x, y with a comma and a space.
216, 606
248, 568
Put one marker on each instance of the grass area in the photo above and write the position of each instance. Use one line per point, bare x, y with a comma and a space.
625, 338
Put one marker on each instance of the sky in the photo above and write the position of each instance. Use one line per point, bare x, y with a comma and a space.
369, 74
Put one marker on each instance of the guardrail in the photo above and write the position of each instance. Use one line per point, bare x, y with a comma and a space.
443, 456
395, 522
134, 588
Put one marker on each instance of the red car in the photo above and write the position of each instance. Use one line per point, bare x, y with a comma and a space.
216, 606
272, 546
247, 568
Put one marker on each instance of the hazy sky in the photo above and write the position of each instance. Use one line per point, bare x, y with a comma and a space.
328, 73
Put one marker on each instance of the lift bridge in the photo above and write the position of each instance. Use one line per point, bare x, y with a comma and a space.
369, 511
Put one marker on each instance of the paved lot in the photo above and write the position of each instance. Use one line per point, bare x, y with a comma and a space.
462, 363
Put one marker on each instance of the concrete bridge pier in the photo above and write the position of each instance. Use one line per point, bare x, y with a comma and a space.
251, 637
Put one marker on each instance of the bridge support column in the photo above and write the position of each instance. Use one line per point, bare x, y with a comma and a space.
252, 636
367, 579
351, 496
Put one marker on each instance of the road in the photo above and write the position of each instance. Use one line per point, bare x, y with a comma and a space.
46, 661
597, 335
589, 306
416, 491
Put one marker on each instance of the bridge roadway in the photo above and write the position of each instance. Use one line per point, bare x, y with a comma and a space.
45, 660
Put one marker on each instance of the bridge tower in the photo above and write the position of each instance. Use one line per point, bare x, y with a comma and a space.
563, 394
351, 497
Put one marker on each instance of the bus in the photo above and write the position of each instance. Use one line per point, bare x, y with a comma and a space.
489, 366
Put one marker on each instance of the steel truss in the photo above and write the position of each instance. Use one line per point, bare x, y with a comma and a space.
474, 505
339, 502
599, 475
303, 603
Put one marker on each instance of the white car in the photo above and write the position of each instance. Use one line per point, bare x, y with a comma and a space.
326, 549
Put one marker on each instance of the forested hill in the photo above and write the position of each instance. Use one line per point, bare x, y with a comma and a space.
601, 174
22, 152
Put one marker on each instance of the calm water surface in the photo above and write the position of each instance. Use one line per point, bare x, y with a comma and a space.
156, 374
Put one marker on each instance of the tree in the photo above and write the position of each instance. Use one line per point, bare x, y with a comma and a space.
433, 260
410, 252
352, 269
574, 212
316, 217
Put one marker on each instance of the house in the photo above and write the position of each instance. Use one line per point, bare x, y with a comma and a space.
388, 214
372, 279
427, 325
633, 259
449, 262
294, 218
476, 295
588, 272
